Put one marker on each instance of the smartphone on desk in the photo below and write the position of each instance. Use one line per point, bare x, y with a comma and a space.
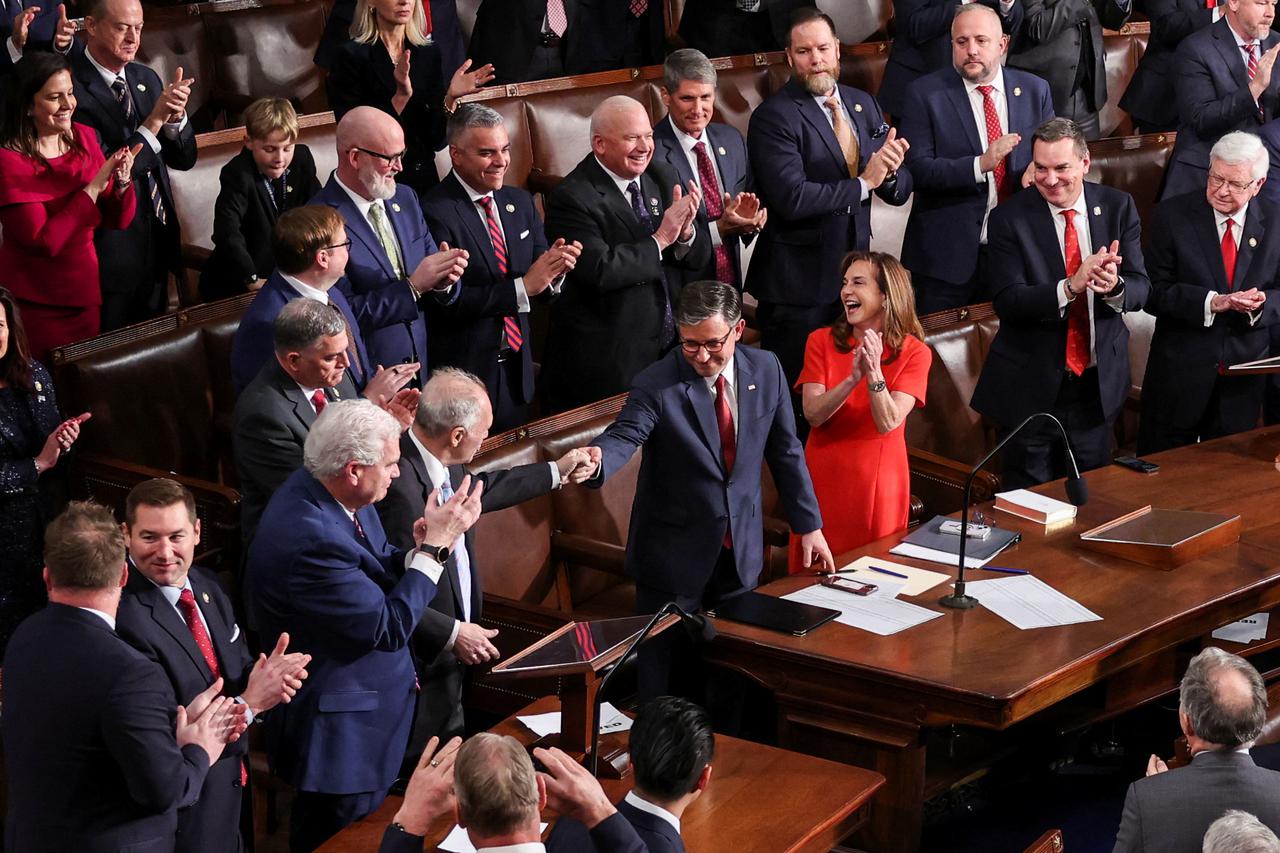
851, 586
1133, 463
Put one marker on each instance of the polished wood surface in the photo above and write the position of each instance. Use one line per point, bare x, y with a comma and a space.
852, 695
759, 798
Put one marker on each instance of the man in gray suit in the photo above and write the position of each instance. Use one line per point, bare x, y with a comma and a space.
1222, 707
275, 412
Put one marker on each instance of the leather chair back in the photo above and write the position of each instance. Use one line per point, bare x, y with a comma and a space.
1122, 52
170, 42
1135, 164
513, 545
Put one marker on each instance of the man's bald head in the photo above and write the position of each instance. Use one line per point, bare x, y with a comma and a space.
114, 31
366, 138
1222, 699
621, 136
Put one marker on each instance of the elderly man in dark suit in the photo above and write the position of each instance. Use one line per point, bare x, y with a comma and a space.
177, 615
391, 252
1062, 42
922, 43
1222, 707
818, 151
714, 156
1066, 263
962, 172
96, 758
452, 420
323, 572
1223, 84
1151, 98
486, 330
1214, 259
127, 104
636, 226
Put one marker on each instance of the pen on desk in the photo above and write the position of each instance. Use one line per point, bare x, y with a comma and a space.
1004, 571
889, 573
829, 574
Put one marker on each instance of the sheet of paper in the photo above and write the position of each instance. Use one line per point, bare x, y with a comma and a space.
918, 581
457, 841
611, 720
1036, 501
906, 549
1247, 630
879, 613
1028, 602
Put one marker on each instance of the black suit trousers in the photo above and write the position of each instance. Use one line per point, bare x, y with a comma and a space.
1037, 456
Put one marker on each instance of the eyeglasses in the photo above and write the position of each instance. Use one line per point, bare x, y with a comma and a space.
1216, 183
346, 245
712, 347
387, 158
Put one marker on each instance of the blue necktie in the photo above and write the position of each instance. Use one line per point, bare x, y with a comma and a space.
461, 561
637, 206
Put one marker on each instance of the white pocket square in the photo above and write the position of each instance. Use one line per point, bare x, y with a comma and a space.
524, 234
235, 633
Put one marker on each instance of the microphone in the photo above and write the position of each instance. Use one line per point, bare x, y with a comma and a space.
699, 628
1077, 493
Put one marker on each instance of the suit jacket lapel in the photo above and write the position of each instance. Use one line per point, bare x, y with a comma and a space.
729, 171
219, 630
469, 215
456, 473
1018, 107
358, 228
518, 255
399, 223
674, 153
168, 618
89, 80
1233, 57
264, 196
1046, 235
1254, 226
1206, 234
704, 410
301, 405
817, 117
614, 201
958, 95
1100, 234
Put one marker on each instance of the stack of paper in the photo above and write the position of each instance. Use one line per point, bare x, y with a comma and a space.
611, 720
917, 582
880, 613
1034, 506
1247, 630
1028, 602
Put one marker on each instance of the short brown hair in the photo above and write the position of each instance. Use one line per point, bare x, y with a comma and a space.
84, 548
158, 492
494, 782
807, 15
266, 116
302, 232
1057, 129
900, 318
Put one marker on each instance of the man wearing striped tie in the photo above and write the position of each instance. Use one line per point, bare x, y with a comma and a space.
486, 331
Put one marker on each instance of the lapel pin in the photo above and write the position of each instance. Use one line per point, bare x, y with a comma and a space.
336, 393
511, 208
1253, 242
39, 387
1097, 211
205, 597
287, 189
395, 207
721, 151
1017, 91
751, 387
142, 87
653, 202
857, 108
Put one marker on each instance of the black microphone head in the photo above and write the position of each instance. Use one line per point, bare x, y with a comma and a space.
1077, 491
697, 625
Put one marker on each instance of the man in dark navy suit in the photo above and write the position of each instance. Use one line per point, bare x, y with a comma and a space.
1066, 263
671, 745
392, 252
922, 43
712, 155
128, 105
818, 151
970, 127
1214, 259
323, 572
1224, 83
27, 24
96, 758
177, 615
486, 330
1151, 98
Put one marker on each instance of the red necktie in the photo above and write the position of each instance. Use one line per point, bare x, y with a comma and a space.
714, 200
190, 615
510, 325
639, 7
319, 400
1252, 65
994, 132
1229, 254
1077, 309
728, 439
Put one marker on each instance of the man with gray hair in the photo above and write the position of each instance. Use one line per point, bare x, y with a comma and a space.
1214, 260
324, 572
1239, 832
714, 156
636, 225
453, 419
273, 415
486, 330
1221, 709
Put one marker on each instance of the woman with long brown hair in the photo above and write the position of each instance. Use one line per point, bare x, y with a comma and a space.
862, 376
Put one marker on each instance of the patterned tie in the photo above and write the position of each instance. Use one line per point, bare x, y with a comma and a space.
1251, 50
190, 615
844, 135
639, 7
1078, 309
382, 230
637, 206
461, 560
319, 400
355, 520
557, 21
994, 132
713, 198
1229, 254
728, 440
748, 5
510, 325
121, 90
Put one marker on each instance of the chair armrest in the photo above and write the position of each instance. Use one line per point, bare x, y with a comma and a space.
915, 514
195, 257
573, 548
938, 482
777, 533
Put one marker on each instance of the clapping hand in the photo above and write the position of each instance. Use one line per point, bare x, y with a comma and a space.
22, 27
275, 679
210, 721
59, 441
742, 215
64, 31
466, 81
443, 522
556, 261
439, 271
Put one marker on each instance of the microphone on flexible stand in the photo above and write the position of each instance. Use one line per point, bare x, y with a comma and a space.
697, 626
1077, 493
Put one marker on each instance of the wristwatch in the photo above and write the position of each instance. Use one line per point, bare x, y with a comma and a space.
876, 387
439, 553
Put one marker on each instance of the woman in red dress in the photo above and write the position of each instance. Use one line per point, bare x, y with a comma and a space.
55, 189
862, 377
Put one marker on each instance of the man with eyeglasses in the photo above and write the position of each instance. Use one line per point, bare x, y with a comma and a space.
709, 415
393, 256
1213, 257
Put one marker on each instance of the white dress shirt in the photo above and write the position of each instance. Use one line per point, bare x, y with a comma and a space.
522, 295
978, 105
1237, 231
653, 809
110, 620
305, 290
526, 847
821, 101
686, 143
679, 248
170, 129
1115, 301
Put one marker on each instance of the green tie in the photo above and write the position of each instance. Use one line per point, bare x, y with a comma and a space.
378, 219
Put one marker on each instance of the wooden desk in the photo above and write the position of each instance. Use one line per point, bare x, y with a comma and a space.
850, 695
760, 798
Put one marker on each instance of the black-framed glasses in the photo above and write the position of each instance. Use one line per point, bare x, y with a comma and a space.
712, 347
387, 158
346, 245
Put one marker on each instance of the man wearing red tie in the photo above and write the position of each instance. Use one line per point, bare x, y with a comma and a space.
1214, 259
1066, 263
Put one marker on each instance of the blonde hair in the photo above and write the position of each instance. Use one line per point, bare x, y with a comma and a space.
364, 26
266, 116
900, 318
